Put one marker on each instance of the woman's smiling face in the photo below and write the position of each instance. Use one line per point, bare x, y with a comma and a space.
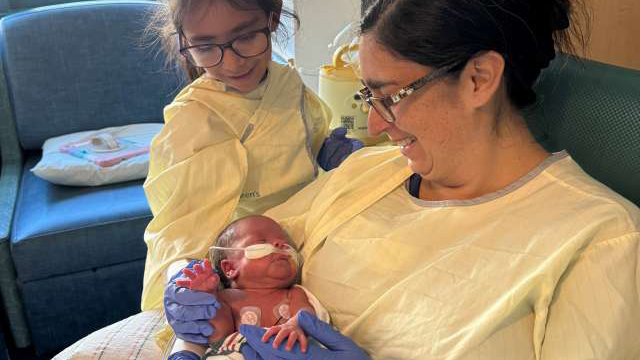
431, 126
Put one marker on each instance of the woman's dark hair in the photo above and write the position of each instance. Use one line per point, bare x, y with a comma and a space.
437, 33
166, 25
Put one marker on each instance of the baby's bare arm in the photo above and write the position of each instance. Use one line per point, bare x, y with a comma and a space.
223, 324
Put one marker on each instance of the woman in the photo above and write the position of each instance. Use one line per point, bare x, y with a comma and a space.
485, 246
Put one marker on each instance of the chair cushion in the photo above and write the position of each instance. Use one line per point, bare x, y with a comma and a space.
592, 110
63, 309
11, 300
84, 227
58, 86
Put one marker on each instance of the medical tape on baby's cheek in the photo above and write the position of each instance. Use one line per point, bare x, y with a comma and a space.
259, 251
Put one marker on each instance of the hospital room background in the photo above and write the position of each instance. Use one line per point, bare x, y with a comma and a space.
614, 40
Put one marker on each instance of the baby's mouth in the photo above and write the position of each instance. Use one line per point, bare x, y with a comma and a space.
281, 257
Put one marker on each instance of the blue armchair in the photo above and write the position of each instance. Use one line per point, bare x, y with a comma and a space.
72, 258
592, 110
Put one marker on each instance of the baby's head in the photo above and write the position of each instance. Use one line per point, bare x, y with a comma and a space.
261, 268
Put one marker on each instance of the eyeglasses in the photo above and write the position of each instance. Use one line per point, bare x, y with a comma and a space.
258, 251
207, 55
383, 104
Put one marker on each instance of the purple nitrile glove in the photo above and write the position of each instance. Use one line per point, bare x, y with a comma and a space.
184, 355
188, 312
338, 346
336, 148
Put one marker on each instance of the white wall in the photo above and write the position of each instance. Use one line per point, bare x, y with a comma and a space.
285, 47
320, 22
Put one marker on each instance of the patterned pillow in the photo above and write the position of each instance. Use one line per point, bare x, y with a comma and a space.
92, 158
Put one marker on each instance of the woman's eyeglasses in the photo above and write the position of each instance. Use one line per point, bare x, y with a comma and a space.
383, 104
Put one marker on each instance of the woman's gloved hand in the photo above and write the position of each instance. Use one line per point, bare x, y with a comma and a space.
336, 148
184, 355
188, 312
339, 347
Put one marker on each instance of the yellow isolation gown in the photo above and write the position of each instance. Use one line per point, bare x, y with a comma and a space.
547, 268
223, 155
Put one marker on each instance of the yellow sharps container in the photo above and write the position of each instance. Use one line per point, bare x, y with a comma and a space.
338, 86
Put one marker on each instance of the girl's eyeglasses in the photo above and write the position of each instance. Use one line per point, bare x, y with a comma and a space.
206, 55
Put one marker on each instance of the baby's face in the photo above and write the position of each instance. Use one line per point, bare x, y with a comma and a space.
276, 270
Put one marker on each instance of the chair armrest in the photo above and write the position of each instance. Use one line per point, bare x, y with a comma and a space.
10, 173
10, 157
9, 181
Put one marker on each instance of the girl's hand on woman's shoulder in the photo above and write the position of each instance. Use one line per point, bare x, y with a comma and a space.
336, 148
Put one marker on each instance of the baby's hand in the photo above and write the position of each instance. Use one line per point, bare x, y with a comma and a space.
200, 278
289, 330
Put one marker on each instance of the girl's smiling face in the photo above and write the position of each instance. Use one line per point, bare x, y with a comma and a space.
219, 22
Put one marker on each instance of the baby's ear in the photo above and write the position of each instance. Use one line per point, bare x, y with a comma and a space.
229, 268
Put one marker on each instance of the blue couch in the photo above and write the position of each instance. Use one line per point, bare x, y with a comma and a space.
72, 258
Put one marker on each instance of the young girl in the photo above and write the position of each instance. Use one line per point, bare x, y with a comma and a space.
240, 139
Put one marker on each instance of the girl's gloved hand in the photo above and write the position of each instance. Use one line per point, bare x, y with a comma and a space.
336, 148
187, 311
339, 347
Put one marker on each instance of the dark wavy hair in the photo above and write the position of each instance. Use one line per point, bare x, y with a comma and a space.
166, 24
437, 33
